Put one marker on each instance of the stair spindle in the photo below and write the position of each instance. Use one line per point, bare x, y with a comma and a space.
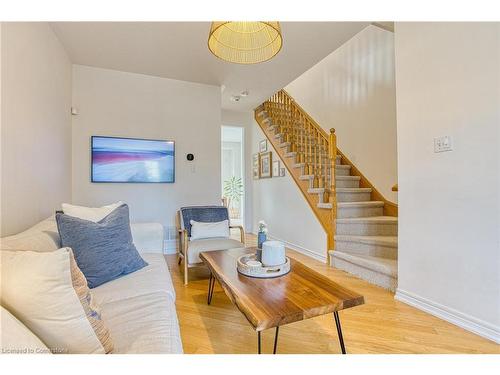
333, 196
309, 151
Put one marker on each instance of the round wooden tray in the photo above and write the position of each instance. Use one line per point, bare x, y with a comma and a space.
261, 272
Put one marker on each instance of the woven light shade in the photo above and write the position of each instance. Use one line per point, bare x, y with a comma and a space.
245, 42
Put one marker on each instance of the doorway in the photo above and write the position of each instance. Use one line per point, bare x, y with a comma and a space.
232, 167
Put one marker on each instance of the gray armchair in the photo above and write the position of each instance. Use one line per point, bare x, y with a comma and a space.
189, 250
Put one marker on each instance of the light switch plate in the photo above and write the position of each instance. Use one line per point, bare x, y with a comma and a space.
442, 144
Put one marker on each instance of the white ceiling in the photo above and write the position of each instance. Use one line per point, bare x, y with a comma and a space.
178, 50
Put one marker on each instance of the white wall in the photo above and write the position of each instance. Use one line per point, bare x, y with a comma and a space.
448, 83
116, 103
35, 125
279, 202
353, 91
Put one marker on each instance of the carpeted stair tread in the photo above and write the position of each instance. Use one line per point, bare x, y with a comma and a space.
360, 204
369, 220
327, 206
390, 241
317, 190
385, 266
306, 177
353, 190
355, 178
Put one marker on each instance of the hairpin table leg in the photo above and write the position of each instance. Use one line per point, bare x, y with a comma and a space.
276, 339
211, 286
258, 339
339, 331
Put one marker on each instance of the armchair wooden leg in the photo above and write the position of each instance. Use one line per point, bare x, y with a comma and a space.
186, 279
242, 232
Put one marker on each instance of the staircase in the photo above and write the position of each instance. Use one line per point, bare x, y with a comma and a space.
361, 225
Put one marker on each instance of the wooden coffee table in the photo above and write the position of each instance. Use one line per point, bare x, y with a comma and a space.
271, 303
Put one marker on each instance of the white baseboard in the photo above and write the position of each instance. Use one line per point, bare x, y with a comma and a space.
170, 246
467, 322
299, 249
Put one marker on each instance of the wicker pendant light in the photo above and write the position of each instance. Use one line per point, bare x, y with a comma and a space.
245, 42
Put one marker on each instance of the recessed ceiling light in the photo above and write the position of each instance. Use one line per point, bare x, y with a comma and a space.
245, 93
235, 98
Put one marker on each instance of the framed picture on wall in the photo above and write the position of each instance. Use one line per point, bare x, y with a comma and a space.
265, 164
256, 166
263, 145
255, 173
131, 160
276, 168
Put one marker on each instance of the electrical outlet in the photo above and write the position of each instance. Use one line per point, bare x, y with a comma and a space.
442, 144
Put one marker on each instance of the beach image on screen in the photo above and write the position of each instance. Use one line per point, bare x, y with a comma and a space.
132, 160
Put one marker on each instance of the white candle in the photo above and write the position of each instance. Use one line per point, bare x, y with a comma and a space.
273, 253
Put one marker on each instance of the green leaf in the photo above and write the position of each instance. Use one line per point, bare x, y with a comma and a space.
233, 189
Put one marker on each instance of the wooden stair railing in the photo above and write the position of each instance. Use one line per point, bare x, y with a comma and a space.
310, 150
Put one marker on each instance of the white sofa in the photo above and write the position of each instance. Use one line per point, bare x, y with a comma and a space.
139, 308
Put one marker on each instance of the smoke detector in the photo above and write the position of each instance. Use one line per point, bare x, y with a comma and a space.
244, 93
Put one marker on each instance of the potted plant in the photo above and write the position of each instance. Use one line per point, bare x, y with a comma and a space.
233, 191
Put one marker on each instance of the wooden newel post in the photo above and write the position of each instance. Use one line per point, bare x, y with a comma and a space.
333, 143
333, 195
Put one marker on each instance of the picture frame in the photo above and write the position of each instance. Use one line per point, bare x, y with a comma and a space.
255, 173
256, 166
119, 160
276, 168
263, 145
266, 159
282, 172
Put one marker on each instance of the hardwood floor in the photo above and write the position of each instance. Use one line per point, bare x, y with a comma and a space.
381, 325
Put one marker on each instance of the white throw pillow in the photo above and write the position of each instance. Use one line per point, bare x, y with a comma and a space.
41, 237
219, 229
38, 289
94, 214
16, 338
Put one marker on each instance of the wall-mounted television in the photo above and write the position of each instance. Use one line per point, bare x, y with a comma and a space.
132, 160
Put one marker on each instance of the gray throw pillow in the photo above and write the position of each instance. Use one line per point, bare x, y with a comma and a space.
104, 250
